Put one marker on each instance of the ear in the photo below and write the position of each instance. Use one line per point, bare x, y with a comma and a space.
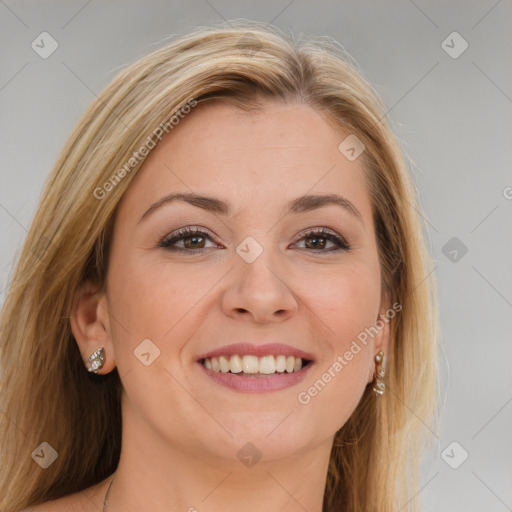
381, 340
90, 324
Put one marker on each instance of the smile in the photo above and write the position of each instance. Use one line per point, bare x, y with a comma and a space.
256, 368
253, 366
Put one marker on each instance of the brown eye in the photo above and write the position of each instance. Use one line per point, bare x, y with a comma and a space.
187, 240
194, 242
319, 240
316, 242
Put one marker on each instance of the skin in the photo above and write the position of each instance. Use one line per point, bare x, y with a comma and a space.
181, 431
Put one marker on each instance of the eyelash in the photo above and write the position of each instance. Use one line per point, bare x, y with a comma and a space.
187, 232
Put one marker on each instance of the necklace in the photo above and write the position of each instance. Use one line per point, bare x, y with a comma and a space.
105, 501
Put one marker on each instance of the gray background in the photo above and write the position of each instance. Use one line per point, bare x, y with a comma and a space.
452, 114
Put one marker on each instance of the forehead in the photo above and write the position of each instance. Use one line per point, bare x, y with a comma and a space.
269, 155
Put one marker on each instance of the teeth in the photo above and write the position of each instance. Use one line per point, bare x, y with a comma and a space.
266, 365
235, 364
281, 363
224, 364
250, 364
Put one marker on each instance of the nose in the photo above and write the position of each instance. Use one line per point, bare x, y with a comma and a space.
259, 292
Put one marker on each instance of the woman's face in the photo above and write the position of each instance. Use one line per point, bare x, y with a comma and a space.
252, 276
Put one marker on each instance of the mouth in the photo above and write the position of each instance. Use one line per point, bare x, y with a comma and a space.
255, 369
254, 366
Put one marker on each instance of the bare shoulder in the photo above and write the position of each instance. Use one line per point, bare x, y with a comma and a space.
88, 500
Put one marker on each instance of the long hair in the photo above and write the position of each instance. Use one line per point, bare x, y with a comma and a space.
45, 393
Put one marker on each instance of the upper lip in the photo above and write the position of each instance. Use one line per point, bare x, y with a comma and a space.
249, 349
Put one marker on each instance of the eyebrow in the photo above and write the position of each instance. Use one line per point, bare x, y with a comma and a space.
299, 205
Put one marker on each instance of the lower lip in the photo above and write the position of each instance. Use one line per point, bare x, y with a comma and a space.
257, 384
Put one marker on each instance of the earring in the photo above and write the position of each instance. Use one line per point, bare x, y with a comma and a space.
379, 386
96, 360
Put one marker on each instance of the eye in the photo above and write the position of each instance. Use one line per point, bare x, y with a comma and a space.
318, 239
191, 238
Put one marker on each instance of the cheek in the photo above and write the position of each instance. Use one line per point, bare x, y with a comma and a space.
341, 378
346, 305
347, 301
160, 302
151, 302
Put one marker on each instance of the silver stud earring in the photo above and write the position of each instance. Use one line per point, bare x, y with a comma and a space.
96, 360
379, 386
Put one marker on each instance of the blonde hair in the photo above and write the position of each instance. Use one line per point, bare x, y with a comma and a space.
46, 393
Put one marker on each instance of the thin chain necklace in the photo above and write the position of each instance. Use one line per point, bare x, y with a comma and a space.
105, 501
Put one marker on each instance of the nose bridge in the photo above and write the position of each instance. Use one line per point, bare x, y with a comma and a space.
258, 288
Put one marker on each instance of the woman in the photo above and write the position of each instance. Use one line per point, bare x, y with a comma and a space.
223, 300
